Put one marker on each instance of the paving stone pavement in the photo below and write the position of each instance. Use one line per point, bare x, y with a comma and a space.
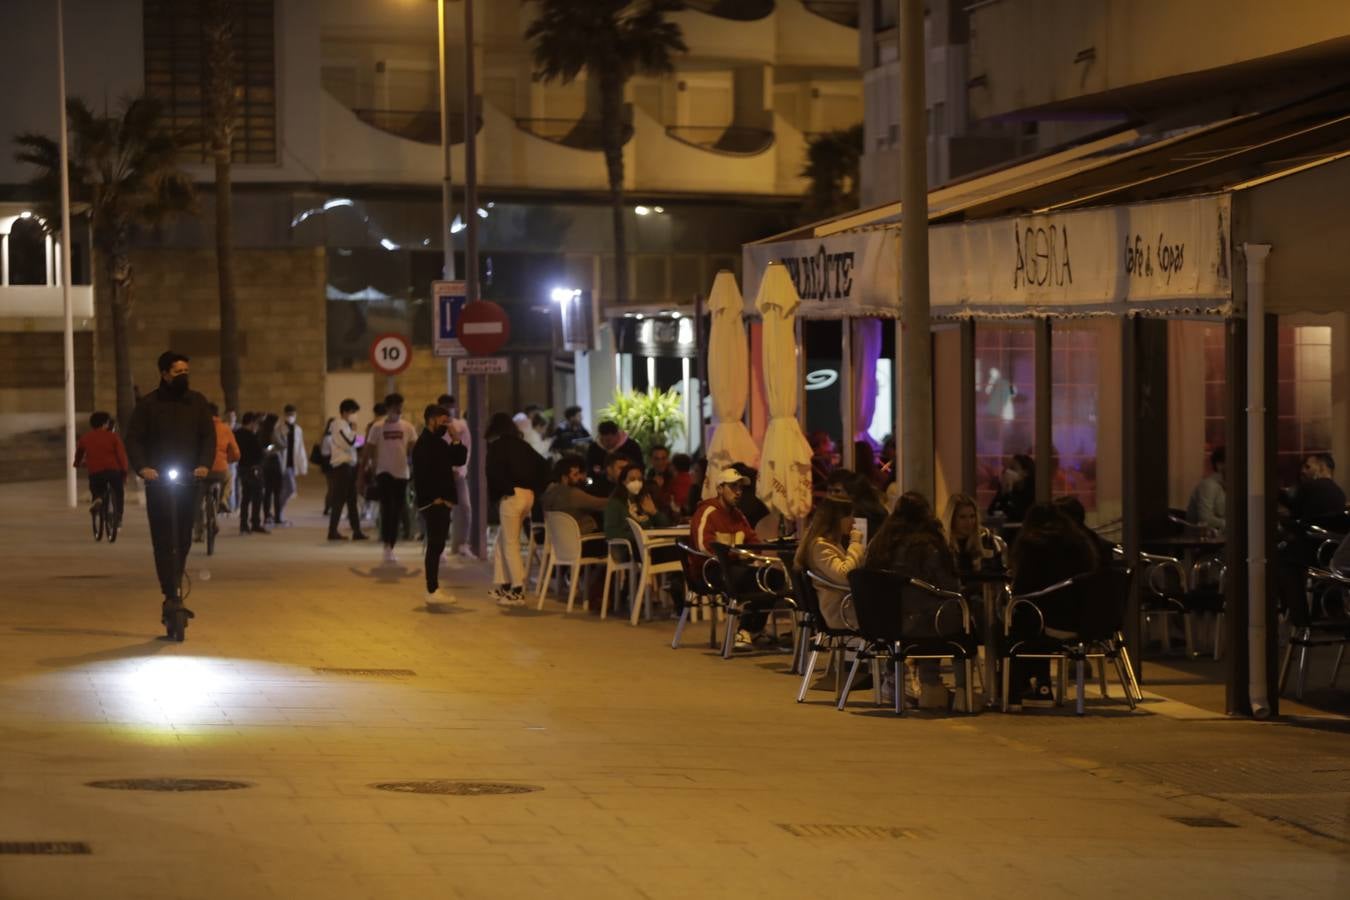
662, 774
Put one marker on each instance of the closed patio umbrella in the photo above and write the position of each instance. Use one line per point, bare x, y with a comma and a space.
785, 463
728, 381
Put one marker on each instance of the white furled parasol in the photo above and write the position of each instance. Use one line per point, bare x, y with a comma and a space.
785, 463
728, 382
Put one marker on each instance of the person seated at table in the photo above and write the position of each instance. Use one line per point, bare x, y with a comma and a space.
911, 542
1073, 510
603, 484
1208, 506
865, 464
866, 499
681, 481
756, 512
633, 499
567, 494
718, 520
1317, 496
659, 475
609, 439
1016, 489
971, 543
822, 551
822, 461
1049, 549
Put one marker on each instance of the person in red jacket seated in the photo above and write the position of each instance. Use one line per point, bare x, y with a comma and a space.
718, 520
102, 453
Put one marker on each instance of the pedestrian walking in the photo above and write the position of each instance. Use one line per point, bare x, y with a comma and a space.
433, 465
272, 470
230, 498
390, 446
294, 460
342, 459
171, 440
250, 475
515, 475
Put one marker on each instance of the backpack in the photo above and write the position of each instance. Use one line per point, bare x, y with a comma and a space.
322, 451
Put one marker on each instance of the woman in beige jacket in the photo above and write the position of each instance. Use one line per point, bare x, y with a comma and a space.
822, 551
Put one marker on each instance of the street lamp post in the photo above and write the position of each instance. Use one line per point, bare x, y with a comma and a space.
72, 492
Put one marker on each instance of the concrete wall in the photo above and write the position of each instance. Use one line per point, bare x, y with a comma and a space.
1027, 48
281, 298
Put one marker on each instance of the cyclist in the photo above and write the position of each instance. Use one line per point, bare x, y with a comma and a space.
227, 453
102, 453
171, 440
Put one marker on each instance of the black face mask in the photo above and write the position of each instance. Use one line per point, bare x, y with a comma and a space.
442, 430
178, 385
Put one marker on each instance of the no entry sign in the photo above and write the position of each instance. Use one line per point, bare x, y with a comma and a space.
390, 353
484, 328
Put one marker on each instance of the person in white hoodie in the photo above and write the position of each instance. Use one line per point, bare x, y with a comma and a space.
531, 434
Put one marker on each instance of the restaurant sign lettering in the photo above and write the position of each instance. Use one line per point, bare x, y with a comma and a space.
841, 275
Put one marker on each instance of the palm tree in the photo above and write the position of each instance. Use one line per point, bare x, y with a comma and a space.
222, 109
833, 164
611, 40
123, 169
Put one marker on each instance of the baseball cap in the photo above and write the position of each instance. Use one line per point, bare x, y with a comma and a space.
730, 476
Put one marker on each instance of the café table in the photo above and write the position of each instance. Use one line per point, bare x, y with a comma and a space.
993, 583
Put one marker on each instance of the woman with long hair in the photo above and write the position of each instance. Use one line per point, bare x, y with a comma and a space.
971, 543
911, 542
822, 551
634, 499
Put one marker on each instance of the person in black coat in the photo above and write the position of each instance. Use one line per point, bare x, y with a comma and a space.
611, 439
515, 476
250, 474
171, 441
433, 470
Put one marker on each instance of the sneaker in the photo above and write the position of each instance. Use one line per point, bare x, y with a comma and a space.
389, 556
744, 640
512, 598
441, 596
360, 536
334, 536
467, 553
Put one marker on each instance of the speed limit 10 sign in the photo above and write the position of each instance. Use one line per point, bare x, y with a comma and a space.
390, 353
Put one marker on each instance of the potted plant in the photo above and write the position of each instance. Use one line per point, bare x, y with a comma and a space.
651, 418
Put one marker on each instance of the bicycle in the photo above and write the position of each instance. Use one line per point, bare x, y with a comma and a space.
210, 510
104, 519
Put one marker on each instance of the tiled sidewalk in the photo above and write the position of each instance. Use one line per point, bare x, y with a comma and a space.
662, 774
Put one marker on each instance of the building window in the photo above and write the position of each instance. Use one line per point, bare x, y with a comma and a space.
1005, 410
175, 73
1303, 425
1075, 383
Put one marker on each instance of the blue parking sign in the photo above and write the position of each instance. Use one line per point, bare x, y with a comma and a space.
448, 299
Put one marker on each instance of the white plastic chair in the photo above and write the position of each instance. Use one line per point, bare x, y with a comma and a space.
565, 542
650, 570
621, 566
537, 547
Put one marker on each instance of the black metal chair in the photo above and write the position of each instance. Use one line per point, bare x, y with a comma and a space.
818, 636
901, 618
1327, 624
703, 591
751, 583
1088, 615
1172, 591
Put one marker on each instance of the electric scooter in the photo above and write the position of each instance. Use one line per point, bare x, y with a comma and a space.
175, 616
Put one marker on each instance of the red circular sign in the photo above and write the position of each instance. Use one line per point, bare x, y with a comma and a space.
390, 353
484, 328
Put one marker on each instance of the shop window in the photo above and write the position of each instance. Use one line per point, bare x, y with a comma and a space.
1216, 380
1005, 410
1303, 423
1075, 386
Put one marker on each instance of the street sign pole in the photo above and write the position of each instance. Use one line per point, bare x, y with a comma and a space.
477, 383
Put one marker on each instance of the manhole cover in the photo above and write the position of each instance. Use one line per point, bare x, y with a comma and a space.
45, 848
861, 832
367, 673
168, 784
455, 788
1202, 822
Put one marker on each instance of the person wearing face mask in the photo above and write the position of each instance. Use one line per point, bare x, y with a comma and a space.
294, 461
434, 462
632, 500
171, 439
390, 445
461, 517
342, 456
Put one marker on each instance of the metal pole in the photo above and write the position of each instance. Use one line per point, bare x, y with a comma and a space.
1256, 479
447, 201
847, 386
916, 352
72, 493
477, 383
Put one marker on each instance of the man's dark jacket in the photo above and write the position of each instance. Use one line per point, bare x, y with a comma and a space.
168, 432
250, 448
433, 463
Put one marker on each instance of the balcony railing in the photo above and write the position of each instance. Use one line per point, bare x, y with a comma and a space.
579, 134
735, 10
732, 140
843, 12
420, 125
